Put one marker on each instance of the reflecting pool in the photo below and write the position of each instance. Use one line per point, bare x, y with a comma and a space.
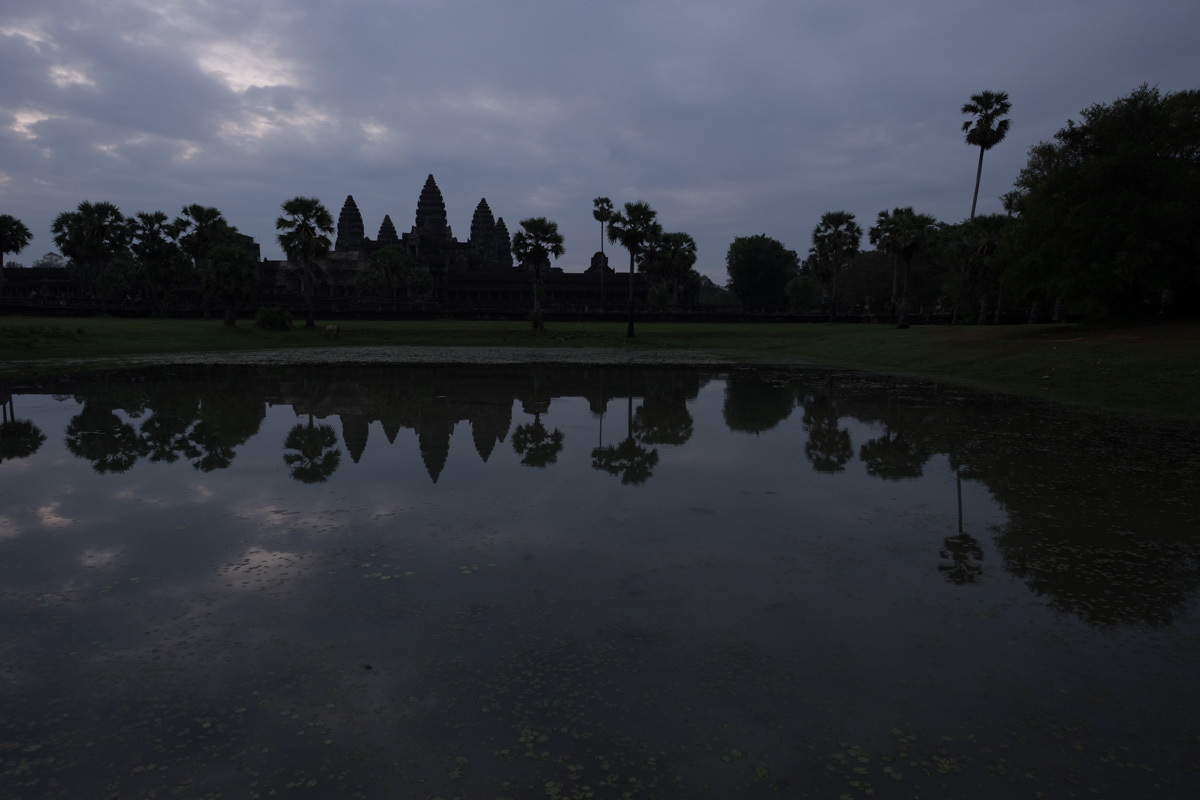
533, 581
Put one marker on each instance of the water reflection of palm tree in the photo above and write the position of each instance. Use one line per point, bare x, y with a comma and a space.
965, 556
828, 446
227, 418
98, 435
18, 438
316, 453
537, 446
629, 459
894, 456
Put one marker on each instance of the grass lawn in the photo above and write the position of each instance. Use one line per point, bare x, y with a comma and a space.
1155, 369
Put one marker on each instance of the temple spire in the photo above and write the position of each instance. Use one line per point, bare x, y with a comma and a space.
431, 211
350, 232
387, 233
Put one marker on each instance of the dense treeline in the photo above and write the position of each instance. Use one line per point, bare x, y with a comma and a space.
1101, 224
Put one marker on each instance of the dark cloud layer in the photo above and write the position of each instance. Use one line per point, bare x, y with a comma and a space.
730, 119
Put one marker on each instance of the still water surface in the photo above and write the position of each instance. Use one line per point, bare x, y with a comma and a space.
485, 582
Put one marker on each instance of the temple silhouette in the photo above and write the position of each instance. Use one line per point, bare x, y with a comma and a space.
478, 272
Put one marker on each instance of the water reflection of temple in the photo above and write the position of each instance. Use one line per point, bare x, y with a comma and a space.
433, 400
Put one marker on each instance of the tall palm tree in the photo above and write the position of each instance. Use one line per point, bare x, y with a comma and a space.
92, 236
882, 236
906, 233
532, 246
160, 260
306, 226
14, 237
602, 212
634, 228
834, 245
204, 228
987, 129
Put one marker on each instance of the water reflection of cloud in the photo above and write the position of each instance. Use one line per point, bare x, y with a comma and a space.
258, 568
97, 557
8, 528
49, 516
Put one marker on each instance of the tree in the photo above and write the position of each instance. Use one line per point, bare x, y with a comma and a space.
987, 129
1011, 202
306, 226
903, 233
1109, 209
230, 276
159, 263
602, 212
634, 228
14, 237
92, 237
532, 246
759, 269
668, 262
834, 244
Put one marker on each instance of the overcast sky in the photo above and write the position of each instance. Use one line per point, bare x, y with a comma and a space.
729, 118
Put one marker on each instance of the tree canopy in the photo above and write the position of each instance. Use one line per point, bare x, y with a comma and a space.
304, 236
759, 269
634, 227
1108, 209
533, 246
835, 241
14, 237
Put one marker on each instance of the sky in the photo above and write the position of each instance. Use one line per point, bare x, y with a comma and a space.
730, 118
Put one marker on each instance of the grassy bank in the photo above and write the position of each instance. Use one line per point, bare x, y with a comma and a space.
1153, 369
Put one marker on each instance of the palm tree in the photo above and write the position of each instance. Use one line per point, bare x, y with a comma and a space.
14, 237
987, 130
668, 261
92, 236
160, 260
306, 227
602, 212
204, 228
634, 229
834, 245
905, 233
532, 246
1011, 202
883, 236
